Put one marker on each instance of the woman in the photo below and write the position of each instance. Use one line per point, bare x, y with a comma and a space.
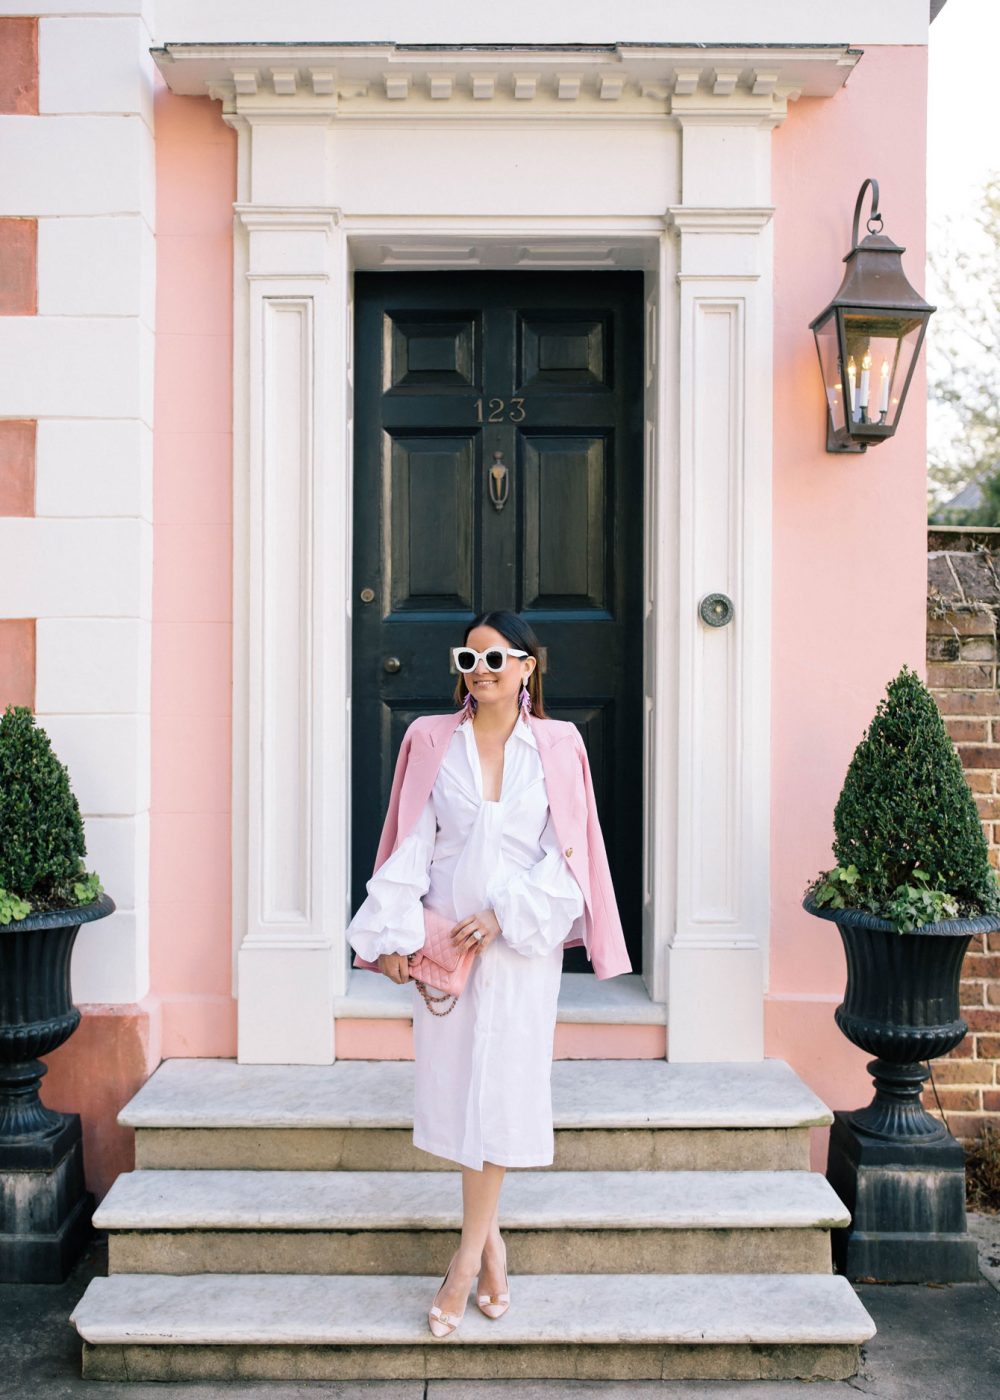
491, 822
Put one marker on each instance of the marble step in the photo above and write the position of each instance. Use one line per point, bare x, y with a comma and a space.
597, 1326
185, 1222
356, 1115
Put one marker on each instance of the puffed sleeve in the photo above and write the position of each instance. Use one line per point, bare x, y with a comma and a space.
538, 905
391, 920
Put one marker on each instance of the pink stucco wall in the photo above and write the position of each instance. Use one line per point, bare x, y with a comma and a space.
850, 539
849, 553
190, 919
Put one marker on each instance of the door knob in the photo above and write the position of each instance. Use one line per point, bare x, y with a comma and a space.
716, 609
392, 664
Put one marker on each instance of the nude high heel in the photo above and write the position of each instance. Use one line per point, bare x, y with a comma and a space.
442, 1324
496, 1304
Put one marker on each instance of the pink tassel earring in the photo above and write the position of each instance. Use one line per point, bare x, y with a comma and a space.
525, 700
468, 705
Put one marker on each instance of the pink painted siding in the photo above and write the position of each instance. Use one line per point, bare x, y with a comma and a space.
849, 533
190, 915
393, 1040
96, 1072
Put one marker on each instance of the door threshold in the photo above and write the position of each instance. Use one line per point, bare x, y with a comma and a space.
583, 1000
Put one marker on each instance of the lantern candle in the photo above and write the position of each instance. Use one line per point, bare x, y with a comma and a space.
852, 381
866, 366
883, 403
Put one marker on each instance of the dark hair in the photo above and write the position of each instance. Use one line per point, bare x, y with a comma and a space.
520, 635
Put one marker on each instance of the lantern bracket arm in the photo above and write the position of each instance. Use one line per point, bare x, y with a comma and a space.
874, 218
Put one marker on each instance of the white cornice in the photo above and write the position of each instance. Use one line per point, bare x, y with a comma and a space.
373, 81
267, 218
692, 219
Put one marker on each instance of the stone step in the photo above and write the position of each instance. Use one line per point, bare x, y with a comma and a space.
357, 1116
596, 1326
185, 1222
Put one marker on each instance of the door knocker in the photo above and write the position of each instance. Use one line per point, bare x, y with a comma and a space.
498, 482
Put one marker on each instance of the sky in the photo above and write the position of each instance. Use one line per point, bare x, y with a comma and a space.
963, 149
963, 124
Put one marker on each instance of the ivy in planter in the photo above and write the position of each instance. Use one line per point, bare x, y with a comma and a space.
908, 841
42, 846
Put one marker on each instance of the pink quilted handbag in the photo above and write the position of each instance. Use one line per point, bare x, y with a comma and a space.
440, 963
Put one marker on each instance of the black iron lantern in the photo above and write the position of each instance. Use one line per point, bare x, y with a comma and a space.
869, 338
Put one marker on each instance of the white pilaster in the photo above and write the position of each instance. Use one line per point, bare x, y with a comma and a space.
717, 960
289, 627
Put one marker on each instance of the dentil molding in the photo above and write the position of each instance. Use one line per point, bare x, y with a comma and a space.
382, 81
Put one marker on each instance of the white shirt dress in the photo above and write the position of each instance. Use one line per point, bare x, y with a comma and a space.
482, 1082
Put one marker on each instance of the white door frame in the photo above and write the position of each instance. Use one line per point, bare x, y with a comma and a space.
707, 252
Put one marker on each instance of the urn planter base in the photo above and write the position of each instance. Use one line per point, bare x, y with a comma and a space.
907, 1204
896, 1112
45, 1209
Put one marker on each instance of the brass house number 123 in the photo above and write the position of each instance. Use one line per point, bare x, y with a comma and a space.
499, 410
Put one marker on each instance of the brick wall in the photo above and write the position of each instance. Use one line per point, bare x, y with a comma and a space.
962, 671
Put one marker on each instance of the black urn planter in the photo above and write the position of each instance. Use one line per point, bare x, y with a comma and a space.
901, 1004
897, 1168
44, 1206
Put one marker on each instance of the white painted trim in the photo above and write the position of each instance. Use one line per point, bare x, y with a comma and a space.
660, 643
524, 22
718, 954
286, 634
619, 243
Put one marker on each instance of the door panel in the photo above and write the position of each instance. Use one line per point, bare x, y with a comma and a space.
559, 351
529, 383
430, 498
564, 514
429, 351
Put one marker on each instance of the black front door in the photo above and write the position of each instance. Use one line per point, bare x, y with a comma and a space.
498, 464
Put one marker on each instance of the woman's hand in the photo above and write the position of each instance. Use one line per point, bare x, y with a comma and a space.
394, 966
484, 922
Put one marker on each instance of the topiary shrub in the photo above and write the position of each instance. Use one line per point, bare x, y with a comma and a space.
42, 845
908, 841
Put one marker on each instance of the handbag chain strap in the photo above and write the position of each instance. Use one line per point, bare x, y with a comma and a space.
428, 998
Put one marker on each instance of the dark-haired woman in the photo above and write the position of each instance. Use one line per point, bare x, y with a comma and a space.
482, 803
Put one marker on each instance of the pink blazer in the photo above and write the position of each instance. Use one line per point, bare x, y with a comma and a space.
574, 814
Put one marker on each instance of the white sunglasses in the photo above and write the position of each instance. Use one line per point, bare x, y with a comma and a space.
466, 659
